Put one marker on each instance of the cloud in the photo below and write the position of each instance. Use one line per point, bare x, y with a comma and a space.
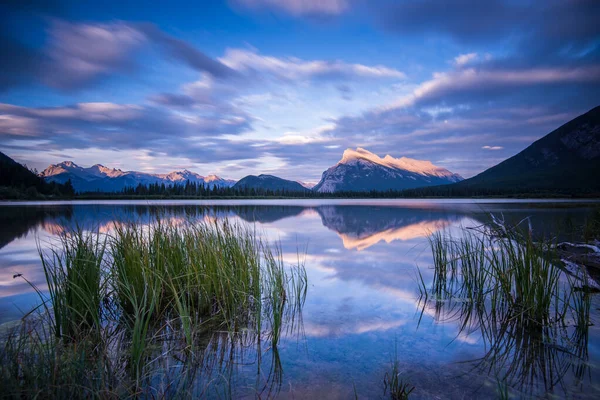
291, 68
481, 80
186, 53
80, 54
119, 126
299, 7
492, 147
464, 59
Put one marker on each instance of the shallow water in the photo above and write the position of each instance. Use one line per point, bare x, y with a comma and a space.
362, 305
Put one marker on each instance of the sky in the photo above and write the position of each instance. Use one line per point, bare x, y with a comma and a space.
282, 87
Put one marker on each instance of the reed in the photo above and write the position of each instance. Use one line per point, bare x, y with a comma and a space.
510, 287
151, 311
394, 383
73, 273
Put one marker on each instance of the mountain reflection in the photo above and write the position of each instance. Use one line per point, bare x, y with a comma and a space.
359, 227
17, 222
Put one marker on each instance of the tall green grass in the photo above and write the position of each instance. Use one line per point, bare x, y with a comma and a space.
74, 276
505, 284
152, 310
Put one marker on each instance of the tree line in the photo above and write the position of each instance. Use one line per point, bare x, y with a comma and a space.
204, 191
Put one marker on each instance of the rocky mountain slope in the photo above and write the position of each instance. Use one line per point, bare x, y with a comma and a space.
568, 158
361, 170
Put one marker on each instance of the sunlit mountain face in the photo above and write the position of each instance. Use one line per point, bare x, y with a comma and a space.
361, 170
231, 88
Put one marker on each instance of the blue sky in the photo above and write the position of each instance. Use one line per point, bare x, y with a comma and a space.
284, 86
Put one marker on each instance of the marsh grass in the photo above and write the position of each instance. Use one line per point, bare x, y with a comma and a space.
74, 276
154, 310
394, 384
591, 226
507, 286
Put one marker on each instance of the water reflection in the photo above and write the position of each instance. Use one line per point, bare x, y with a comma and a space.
363, 292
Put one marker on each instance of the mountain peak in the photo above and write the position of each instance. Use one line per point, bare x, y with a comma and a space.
361, 170
60, 168
351, 154
69, 164
423, 167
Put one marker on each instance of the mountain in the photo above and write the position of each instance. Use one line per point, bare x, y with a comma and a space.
567, 159
269, 182
13, 174
16, 181
104, 179
360, 170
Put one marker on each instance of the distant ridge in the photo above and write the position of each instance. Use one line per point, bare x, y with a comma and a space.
104, 179
269, 182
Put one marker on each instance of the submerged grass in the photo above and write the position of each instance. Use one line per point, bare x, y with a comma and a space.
394, 384
508, 286
152, 311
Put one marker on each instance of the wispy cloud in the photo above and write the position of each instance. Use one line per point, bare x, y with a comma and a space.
79, 54
485, 80
298, 7
291, 68
464, 59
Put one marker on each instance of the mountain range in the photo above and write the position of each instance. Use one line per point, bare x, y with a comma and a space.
359, 170
104, 179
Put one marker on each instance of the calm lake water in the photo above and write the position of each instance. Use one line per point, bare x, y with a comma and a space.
362, 308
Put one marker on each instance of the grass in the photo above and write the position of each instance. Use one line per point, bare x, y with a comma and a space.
506, 285
591, 226
153, 310
394, 383
73, 274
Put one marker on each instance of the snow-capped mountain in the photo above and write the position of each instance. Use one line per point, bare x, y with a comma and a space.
361, 170
104, 179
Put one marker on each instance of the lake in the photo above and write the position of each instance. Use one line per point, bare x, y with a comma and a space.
363, 307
